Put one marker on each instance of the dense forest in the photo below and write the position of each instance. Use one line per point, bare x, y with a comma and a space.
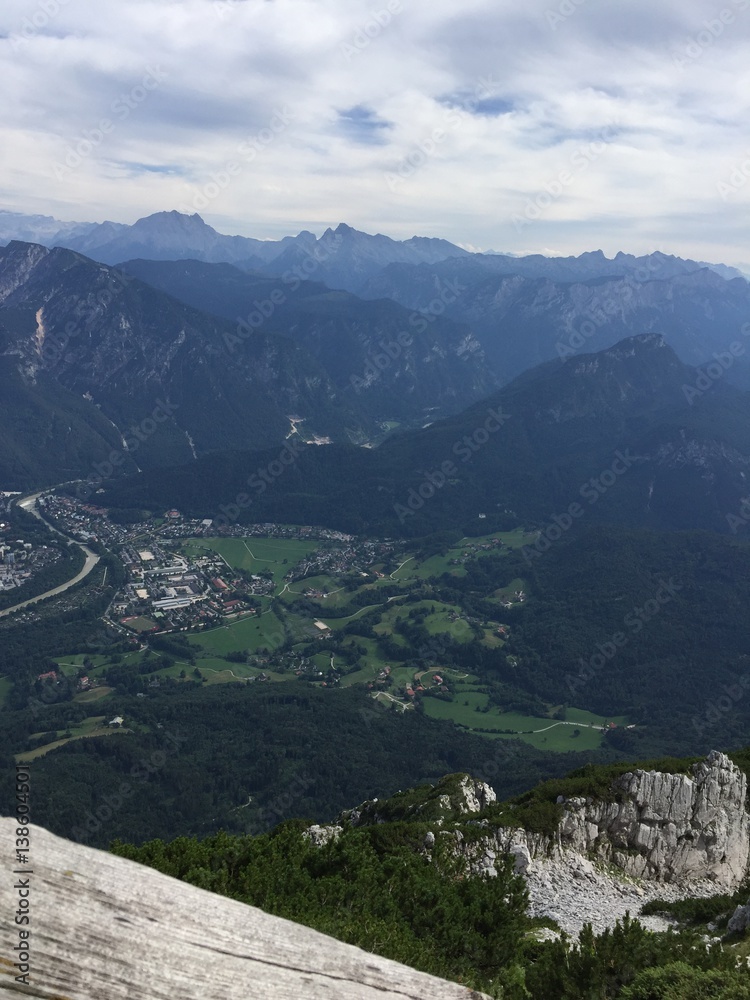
245, 758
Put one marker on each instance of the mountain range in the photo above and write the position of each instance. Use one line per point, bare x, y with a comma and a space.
629, 435
198, 371
87, 352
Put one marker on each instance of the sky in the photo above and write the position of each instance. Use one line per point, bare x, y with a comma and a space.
554, 126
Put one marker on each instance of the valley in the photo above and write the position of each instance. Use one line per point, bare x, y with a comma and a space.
282, 604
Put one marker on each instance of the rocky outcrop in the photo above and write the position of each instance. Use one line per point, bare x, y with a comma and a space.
657, 836
454, 796
669, 827
104, 928
663, 827
739, 922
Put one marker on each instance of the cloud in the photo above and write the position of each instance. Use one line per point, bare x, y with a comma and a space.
362, 125
516, 95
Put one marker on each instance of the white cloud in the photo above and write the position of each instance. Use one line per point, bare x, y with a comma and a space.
669, 81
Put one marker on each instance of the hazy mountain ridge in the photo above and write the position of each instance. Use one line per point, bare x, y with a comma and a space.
122, 349
524, 319
532, 448
393, 364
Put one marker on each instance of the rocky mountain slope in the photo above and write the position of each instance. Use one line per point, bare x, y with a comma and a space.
652, 835
171, 383
390, 362
89, 353
535, 309
630, 435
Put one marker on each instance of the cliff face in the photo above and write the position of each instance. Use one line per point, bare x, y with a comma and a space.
671, 828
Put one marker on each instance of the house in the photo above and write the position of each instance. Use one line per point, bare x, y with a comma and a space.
116, 722
51, 675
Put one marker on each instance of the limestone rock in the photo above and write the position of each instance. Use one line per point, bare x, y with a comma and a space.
473, 796
522, 857
661, 836
454, 796
739, 922
319, 836
666, 827
105, 928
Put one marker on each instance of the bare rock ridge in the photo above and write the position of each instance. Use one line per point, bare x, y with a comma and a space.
663, 827
105, 928
671, 828
656, 835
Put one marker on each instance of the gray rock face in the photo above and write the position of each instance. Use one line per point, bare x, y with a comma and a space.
104, 928
319, 836
473, 795
664, 827
668, 827
663, 836
739, 922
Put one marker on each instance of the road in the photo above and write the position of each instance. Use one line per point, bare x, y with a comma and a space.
393, 574
29, 503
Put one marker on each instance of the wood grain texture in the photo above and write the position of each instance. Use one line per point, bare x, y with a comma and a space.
105, 928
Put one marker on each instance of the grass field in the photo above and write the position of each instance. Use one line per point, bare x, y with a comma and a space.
70, 665
436, 566
141, 624
256, 555
254, 632
468, 709
94, 694
88, 728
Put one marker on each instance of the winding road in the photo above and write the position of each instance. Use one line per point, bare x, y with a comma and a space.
29, 504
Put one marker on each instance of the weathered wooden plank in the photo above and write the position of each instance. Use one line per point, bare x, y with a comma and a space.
105, 928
